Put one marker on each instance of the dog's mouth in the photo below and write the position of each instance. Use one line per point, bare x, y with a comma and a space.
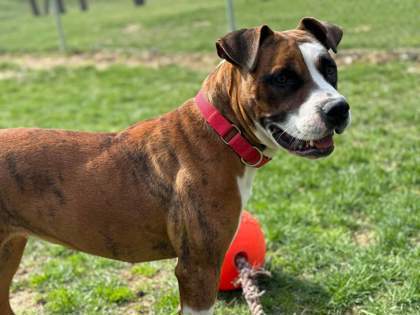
308, 148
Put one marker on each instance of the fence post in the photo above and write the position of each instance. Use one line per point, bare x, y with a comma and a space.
46, 7
34, 7
61, 7
230, 15
83, 5
57, 17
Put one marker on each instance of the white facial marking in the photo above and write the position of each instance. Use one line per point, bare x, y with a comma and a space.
189, 311
305, 122
245, 184
310, 53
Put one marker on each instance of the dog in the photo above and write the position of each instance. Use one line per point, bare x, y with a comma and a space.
174, 186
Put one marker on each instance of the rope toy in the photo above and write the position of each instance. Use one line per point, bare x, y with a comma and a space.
243, 263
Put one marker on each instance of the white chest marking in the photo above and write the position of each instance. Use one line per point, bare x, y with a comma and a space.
189, 311
245, 184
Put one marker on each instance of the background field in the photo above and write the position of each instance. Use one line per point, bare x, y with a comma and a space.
342, 233
192, 26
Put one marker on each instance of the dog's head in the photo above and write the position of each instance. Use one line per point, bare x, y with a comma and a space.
288, 85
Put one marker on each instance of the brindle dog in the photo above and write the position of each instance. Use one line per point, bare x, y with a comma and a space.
170, 187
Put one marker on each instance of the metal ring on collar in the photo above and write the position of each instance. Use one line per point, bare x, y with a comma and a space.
258, 162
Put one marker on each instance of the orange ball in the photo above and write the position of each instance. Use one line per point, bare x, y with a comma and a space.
249, 242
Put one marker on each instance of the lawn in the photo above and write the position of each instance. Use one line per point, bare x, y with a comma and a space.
191, 26
342, 232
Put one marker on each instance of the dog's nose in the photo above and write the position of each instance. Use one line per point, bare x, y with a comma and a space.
336, 113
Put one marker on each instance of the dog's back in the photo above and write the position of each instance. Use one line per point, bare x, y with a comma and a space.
36, 167
36, 161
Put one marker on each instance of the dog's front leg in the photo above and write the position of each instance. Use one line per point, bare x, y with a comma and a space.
201, 244
201, 225
198, 283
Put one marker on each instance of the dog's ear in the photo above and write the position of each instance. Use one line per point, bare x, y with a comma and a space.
241, 47
328, 34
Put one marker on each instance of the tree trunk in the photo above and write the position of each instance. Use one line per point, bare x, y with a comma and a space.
61, 7
83, 5
34, 7
46, 6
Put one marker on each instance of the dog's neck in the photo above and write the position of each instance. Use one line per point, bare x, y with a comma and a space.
222, 87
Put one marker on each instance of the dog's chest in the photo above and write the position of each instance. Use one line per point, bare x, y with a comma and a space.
245, 184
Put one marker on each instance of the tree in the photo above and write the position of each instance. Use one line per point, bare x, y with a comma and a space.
34, 7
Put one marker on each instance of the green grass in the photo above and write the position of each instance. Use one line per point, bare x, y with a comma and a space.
193, 26
92, 99
343, 232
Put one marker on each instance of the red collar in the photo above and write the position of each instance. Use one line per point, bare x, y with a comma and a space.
249, 154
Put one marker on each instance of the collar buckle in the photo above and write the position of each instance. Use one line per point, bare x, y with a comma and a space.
238, 131
226, 131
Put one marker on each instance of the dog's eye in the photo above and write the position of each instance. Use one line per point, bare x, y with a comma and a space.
329, 70
285, 79
280, 79
331, 74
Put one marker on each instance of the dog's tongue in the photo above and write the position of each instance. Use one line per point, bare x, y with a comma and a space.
324, 143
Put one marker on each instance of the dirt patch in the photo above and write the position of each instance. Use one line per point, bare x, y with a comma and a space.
11, 74
362, 29
144, 300
103, 60
414, 69
364, 238
132, 28
194, 61
24, 301
348, 57
145, 288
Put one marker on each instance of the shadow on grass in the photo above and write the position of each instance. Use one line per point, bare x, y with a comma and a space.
286, 294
